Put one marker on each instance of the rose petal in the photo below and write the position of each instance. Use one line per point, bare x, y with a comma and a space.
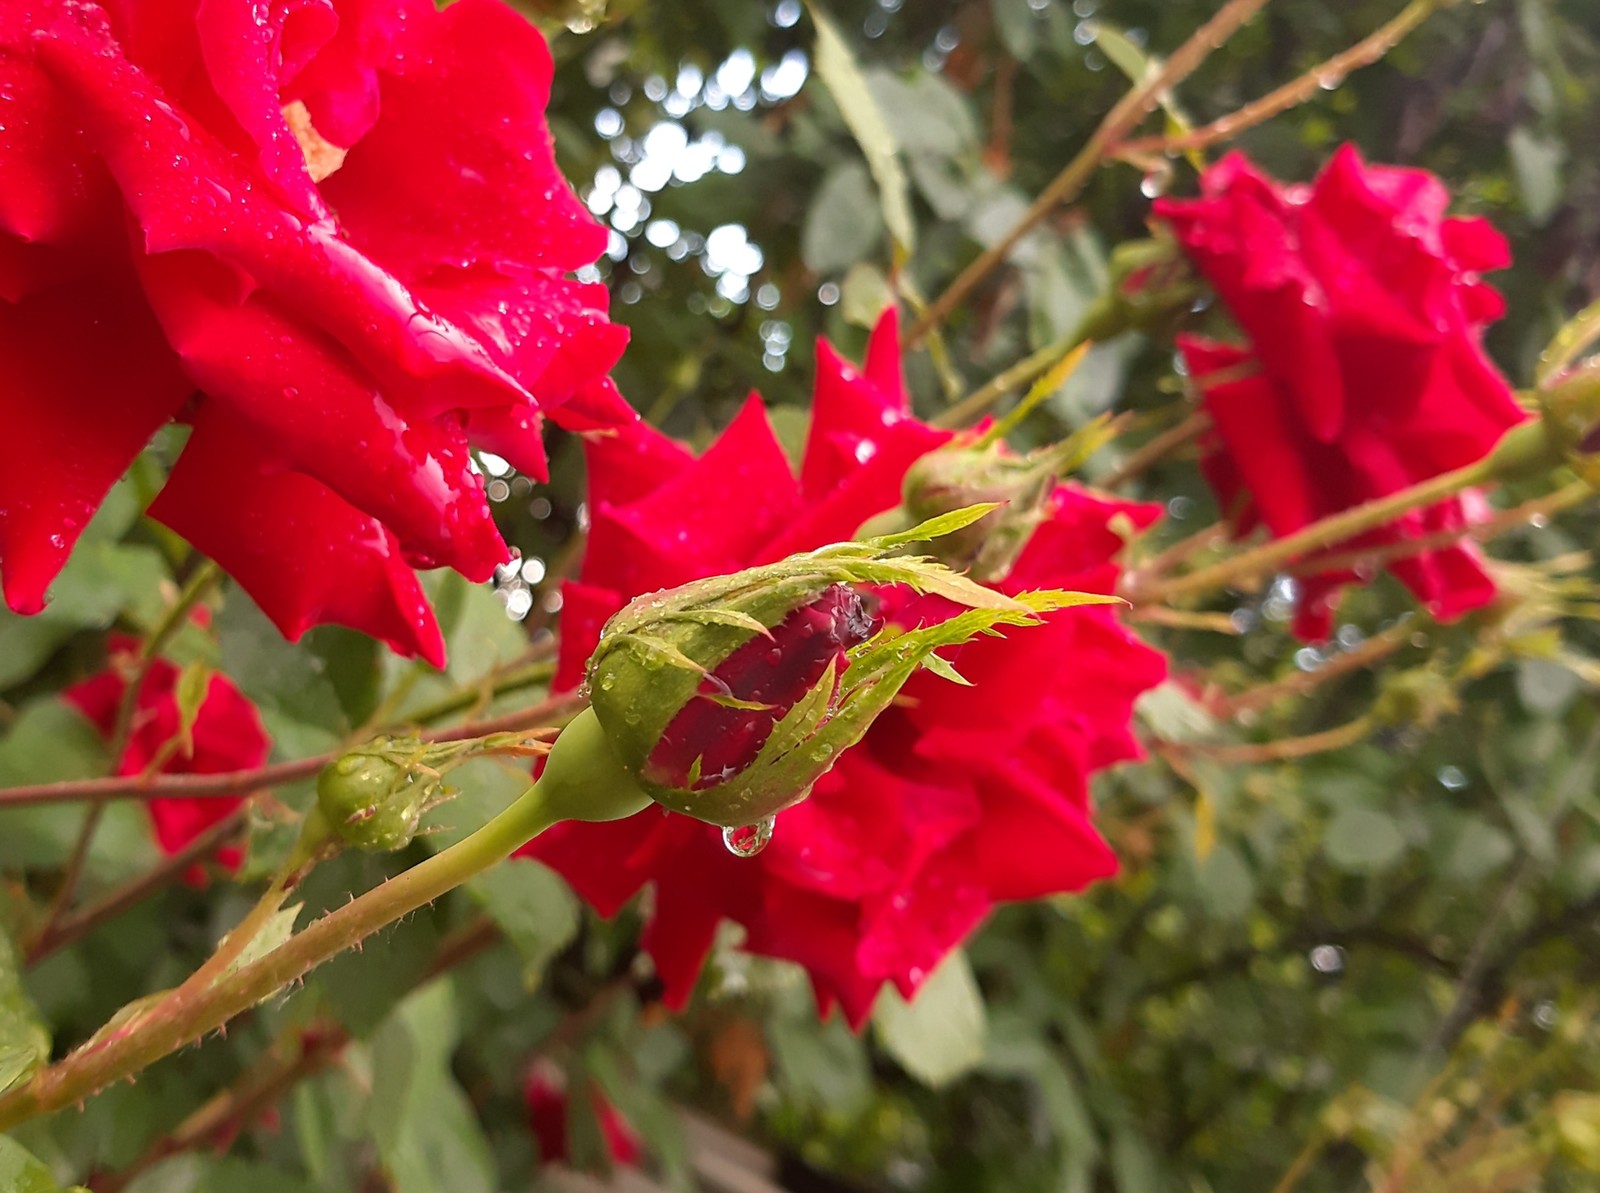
305, 555
88, 381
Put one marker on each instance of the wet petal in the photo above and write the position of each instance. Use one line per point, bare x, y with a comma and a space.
187, 192
88, 380
434, 183
305, 555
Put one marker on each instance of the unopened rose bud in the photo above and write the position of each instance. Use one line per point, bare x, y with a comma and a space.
722, 727
727, 698
1570, 405
983, 469
1148, 283
374, 797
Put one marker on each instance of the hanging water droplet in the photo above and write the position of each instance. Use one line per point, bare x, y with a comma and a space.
1329, 80
749, 839
1154, 184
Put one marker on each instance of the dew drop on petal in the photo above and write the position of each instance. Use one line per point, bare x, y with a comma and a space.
749, 839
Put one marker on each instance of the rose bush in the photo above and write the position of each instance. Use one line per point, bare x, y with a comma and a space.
956, 799
332, 240
1365, 371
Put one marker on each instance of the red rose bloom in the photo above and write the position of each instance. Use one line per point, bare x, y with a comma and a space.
1365, 372
956, 799
330, 235
226, 736
547, 1099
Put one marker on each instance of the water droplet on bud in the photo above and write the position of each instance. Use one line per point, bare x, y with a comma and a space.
749, 839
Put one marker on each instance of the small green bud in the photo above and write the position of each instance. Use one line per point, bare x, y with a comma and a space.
374, 797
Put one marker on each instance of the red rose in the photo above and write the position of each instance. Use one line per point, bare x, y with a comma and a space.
226, 736
955, 800
329, 235
1365, 372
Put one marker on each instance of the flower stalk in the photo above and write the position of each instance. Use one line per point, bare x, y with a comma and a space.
145, 1036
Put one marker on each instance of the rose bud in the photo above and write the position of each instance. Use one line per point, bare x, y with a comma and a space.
1148, 283
374, 797
985, 470
1570, 403
727, 698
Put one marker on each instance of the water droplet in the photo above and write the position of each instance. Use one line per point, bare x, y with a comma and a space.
1327, 959
1155, 183
1328, 80
749, 839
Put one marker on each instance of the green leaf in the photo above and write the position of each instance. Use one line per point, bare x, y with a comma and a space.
277, 929
423, 1124
1545, 686
864, 294
533, 907
842, 224
1018, 26
936, 527
821, 1064
21, 1173
1361, 840
24, 1040
1478, 849
837, 68
1227, 887
945, 669
1131, 59
99, 582
941, 1033
51, 741
190, 693
1537, 161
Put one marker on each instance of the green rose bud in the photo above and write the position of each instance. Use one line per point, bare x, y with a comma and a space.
727, 698
374, 797
1571, 419
970, 471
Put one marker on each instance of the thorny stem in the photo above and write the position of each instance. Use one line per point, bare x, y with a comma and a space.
1551, 503
242, 781
1364, 53
144, 1037
200, 583
1377, 647
1280, 750
315, 836
1347, 524
1035, 364
301, 1053
1138, 103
